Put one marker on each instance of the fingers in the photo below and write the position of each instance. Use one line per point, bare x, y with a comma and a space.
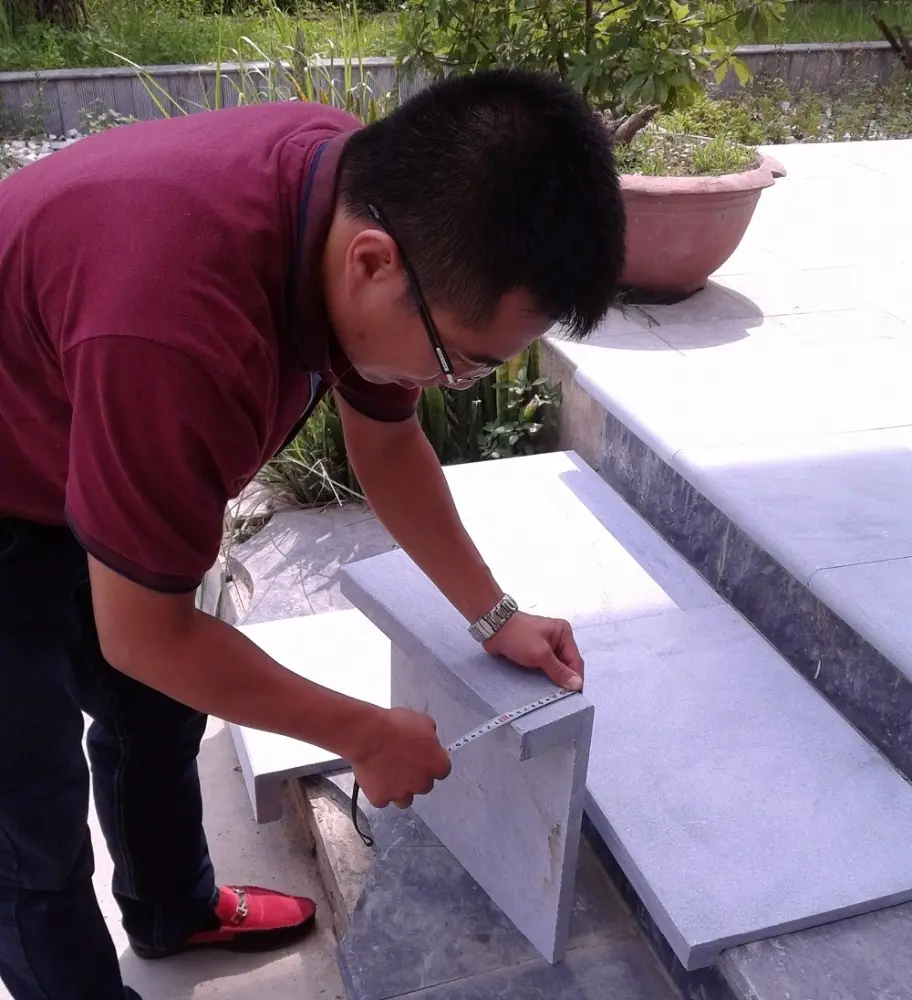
566, 650
561, 675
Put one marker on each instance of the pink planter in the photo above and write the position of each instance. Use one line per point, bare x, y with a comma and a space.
681, 229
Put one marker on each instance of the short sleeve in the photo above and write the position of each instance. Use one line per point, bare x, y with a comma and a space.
157, 449
389, 403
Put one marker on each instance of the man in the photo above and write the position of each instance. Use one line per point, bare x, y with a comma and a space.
176, 297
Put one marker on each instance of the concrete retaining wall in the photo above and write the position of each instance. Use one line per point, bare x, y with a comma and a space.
52, 100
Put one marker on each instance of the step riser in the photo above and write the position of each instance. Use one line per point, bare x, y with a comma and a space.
870, 692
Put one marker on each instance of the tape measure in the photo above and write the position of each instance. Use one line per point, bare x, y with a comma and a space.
469, 737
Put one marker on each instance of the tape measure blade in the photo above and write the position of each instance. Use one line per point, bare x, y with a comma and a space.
506, 717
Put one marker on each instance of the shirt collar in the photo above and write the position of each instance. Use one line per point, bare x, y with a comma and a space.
309, 327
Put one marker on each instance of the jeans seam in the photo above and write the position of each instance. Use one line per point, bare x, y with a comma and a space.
119, 771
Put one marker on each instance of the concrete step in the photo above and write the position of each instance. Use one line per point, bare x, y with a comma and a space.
775, 454
737, 801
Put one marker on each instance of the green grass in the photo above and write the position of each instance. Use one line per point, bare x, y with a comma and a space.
174, 31
839, 20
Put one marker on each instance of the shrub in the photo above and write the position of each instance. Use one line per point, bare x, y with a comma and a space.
622, 55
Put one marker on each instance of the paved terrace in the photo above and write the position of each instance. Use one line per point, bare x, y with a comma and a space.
782, 391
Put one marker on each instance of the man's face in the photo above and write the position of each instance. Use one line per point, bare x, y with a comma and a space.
391, 334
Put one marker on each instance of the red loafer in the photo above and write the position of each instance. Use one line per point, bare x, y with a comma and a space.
249, 919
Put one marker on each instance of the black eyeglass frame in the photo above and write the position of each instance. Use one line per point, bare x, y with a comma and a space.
443, 359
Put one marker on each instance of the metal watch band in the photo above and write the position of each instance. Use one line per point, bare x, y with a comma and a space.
494, 620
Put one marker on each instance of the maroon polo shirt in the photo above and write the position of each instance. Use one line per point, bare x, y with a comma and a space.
163, 330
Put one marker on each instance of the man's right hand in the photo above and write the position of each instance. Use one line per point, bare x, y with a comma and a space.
403, 760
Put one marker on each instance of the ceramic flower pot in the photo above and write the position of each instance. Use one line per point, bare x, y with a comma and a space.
681, 229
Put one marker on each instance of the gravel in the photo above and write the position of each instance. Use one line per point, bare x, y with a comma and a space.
16, 153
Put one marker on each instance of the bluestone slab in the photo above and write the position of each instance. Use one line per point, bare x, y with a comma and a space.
566, 546
865, 958
814, 502
736, 800
341, 650
512, 808
875, 599
421, 923
622, 970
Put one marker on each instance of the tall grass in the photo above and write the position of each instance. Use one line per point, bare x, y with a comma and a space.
836, 21
152, 33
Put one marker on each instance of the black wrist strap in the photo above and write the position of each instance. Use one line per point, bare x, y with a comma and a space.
369, 842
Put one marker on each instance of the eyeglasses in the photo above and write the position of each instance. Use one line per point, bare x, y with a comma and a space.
443, 359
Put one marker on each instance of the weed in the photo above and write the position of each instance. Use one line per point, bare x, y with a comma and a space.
98, 118
673, 153
768, 113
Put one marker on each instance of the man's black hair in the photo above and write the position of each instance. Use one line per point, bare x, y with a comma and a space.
493, 182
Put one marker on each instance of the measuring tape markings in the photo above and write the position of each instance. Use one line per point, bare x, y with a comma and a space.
502, 720
469, 737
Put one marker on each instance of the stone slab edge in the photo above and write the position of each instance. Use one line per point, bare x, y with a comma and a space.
871, 692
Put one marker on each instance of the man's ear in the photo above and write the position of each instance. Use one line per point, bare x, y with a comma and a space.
372, 256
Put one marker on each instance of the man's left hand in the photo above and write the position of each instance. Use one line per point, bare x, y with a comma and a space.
545, 644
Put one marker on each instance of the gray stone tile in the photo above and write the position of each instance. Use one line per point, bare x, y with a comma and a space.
723, 337
511, 810
847, 329
714, 302
865, 958
816, 502
876, 600
620, 971
870, 691
753, 258
602, 351
342, 651
421, 921
610, 567
812, 161
737, 801
794, 291
295, 560
723, 396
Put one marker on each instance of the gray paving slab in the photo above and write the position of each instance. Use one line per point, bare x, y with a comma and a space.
737, 801
814, 502
619, 971
865, 958
294, 561
753, 395
340, 650
511, 810
875, 599
605, 566
421, 923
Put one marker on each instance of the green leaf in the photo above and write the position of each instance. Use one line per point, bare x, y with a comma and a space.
742, 70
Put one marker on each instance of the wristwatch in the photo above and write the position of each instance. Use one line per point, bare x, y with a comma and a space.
494, 620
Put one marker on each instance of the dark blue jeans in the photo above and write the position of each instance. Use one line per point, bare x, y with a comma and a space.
142, 747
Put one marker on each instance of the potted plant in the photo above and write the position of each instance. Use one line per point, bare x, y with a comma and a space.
689, 199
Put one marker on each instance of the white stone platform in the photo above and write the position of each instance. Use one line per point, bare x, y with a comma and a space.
782, 391
340, 650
